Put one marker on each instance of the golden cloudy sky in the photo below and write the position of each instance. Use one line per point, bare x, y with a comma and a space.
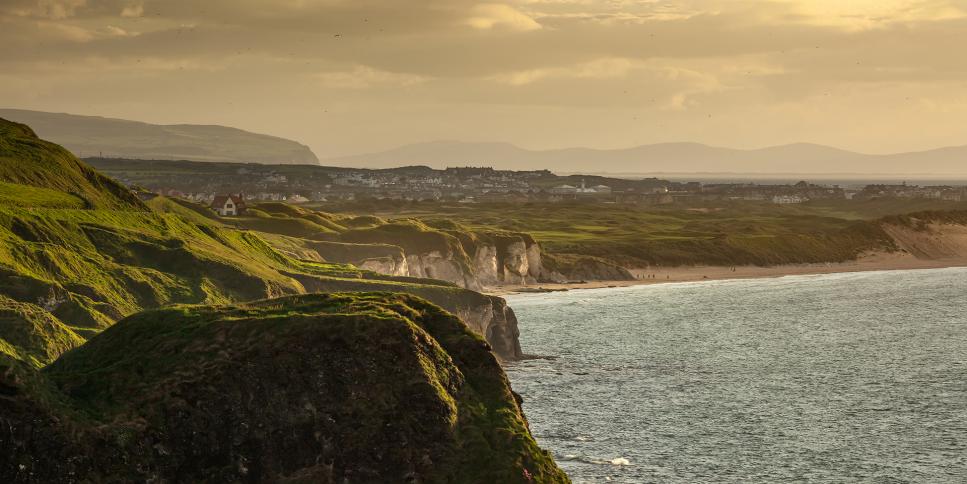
349, 76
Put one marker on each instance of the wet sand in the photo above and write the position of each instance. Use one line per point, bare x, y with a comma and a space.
872, 262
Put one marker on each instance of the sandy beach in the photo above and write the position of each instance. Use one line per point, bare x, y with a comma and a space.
872, 262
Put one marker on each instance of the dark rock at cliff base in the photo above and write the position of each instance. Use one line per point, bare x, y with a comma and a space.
370, 387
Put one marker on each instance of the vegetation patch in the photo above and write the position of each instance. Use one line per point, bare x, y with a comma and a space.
378, 387
581, 236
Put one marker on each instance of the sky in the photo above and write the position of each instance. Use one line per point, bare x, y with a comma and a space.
352, 76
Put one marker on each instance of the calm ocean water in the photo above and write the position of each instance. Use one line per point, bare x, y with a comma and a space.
834, 378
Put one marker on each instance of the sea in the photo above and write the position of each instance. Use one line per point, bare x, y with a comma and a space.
858, 377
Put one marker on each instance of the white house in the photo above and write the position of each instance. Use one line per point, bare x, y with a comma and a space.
229, 205
788, 199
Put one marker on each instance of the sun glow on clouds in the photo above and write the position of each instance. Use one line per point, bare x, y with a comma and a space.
363, 77
487, 16
618, 72
860, 14
599, 69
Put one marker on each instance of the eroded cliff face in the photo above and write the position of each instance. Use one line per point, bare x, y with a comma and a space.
470, 260
535, 263
485, 265
444, 266
511, 260
496, 261
382, 258
393, 266
489, 316
496, 321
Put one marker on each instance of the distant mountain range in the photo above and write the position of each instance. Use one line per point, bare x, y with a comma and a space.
666, 158
118, 138
89, 136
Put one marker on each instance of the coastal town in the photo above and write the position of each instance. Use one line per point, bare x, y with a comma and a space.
297, 184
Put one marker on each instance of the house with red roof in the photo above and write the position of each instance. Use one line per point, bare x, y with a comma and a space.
229, 205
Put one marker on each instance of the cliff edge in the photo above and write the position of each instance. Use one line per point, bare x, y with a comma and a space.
372, 387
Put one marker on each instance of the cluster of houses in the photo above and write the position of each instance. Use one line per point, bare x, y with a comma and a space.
304, 184
582, 190
949, 193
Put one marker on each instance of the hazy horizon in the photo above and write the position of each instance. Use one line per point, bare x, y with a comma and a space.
350, 77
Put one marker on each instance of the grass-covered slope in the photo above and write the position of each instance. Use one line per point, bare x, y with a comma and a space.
31, 334
89, 268
55, 177
724, 233
79, 252
353, 387
371, 387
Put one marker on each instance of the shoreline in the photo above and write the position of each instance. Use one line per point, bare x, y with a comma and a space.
873, 262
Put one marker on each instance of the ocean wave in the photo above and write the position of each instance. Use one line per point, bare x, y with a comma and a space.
615, 462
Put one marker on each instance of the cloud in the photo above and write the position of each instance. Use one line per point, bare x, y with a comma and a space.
66, 32
867, 14
756, 62
133, 10
115, 31
49, 9
489, 16
364, 77
597, 69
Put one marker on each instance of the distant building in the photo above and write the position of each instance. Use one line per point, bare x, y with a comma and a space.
604, 189
788, 199
229, 205
584, 189
564, 190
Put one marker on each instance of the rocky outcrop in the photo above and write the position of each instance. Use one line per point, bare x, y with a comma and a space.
382, 258
497, 260
496, 321
489, 316
512, 263
485, 265
388, 266
510, 259
438, 265
322, 388
535, 263
472, 260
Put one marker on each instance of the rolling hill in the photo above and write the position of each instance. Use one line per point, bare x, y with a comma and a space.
54, 176
78, 252
665, 158
152, 343
118, 138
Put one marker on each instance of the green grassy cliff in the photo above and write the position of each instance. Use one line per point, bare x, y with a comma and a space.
365, 387
78, 252
371, 387
54, 176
